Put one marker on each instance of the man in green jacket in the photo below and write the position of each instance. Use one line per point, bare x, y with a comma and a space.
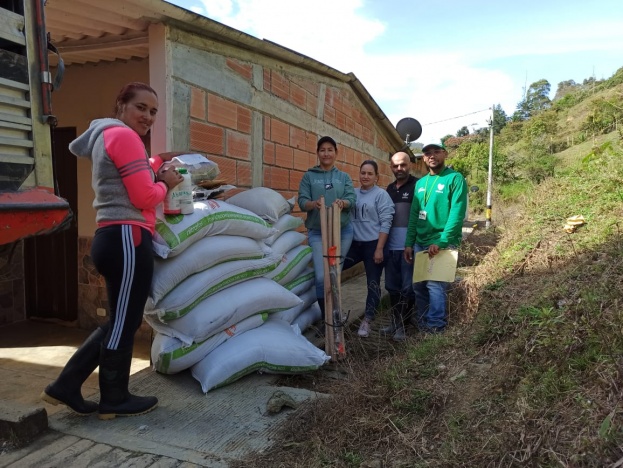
435, 222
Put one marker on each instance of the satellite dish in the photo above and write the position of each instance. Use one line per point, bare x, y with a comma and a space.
409, 129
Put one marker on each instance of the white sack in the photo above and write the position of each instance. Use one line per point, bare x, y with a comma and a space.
227, 307
176, 233
287, 241
274, 347
305, 280
308, 298
169, 355
263, 201
200, 256
292, 264
194, 289
309, 316
284, 224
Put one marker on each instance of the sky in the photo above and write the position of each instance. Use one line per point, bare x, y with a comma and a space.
444, 63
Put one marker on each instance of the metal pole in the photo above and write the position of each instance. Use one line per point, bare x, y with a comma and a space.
490, 178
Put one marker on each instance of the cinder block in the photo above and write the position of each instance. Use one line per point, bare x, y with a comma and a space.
19, 423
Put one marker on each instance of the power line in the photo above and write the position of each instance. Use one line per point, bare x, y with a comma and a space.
459, 116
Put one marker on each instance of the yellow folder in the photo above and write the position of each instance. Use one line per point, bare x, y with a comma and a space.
442, 267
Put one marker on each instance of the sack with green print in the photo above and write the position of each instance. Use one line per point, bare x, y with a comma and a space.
170, 355
292, 264
203, 254
275, 347
194, 289
175, 233
226, 308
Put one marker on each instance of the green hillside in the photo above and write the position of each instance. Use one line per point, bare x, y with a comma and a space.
530, 372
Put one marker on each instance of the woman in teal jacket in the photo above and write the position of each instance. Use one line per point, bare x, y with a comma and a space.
325, 180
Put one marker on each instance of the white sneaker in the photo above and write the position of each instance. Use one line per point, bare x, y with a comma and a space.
364, 328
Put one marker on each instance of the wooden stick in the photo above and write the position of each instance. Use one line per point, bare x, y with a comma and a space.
337, 306
328, 303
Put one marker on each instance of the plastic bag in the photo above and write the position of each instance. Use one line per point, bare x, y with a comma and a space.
199, 167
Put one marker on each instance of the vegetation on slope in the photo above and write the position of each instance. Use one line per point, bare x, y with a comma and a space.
530, 372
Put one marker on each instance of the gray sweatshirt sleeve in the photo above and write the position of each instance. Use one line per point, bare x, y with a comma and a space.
385, 210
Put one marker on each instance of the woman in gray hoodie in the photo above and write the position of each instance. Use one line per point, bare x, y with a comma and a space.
325, 180
128, 185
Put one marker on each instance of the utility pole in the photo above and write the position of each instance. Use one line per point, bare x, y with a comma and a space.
490, 177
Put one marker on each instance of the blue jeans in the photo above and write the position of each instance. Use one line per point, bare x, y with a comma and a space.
430, 301
363, 251
314, 238
398, 275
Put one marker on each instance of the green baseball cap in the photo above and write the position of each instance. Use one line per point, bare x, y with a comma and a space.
433, 145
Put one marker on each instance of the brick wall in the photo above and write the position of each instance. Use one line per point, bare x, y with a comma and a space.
222, 128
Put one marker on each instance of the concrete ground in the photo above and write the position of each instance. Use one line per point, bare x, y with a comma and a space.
188, 429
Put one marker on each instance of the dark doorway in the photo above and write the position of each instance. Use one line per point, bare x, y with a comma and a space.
51, 261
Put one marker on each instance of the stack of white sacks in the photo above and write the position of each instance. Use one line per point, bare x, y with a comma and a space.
232, 290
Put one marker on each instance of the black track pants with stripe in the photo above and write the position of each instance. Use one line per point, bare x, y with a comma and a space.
123, 255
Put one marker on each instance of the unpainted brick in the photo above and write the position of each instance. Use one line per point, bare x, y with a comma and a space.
348, 156
311, 140
308, 85
206, 138
227, 167
283, 156
280, 132
295, 179
242, 69
340, 120
244, 119
197, 103
238, 145
280, 86
297, 96
300, 160
267, 80
266, 123
280, 178
367, 135
329, 115
222, 112
312, 104
243, 172
269, 152
297, 138
267, 176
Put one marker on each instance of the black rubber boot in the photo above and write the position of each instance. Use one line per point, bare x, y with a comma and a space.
394, 301
321, 304
115, 398
65, 389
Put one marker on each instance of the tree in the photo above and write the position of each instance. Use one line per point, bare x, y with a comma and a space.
443, 139
536, 100
499, 119
564, 88
463, 131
